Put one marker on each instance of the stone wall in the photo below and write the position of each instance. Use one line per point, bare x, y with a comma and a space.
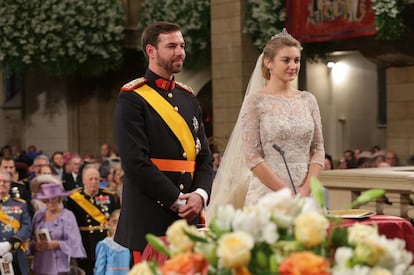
400, 111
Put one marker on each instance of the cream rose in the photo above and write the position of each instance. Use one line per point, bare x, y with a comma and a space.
362, 233
380, 271
310, 228
141, 269
177, 238
234, 249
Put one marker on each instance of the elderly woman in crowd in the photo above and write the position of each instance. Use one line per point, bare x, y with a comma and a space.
55, 237
35, 188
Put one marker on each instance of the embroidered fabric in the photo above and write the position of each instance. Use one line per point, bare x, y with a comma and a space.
232, 178
293, 124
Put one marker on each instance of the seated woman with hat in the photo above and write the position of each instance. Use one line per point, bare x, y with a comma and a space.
55, 236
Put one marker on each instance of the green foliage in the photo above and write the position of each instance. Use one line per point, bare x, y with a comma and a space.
194, 20
317, 192
65, 37
157, 243
264, 18
390, 25
368, 196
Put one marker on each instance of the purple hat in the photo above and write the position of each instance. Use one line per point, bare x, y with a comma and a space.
51, 190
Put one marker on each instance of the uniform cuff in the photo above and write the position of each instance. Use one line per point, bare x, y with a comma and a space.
203, 194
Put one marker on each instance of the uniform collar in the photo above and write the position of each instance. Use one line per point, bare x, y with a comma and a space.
160, 82
6, 198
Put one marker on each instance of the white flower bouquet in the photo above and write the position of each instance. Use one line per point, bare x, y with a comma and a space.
282, 234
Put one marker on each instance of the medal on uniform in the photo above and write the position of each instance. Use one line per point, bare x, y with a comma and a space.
198, 146
196, 125
7, 228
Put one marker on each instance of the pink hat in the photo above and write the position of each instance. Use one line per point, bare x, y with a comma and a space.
51, 190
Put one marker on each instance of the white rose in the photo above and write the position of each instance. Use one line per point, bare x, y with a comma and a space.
342, 255
283, 206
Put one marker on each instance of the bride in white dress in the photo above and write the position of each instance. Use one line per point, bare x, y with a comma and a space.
273, 115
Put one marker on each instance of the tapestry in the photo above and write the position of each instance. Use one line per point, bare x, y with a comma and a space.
325, 20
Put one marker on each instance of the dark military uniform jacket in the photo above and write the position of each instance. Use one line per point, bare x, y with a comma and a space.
92, 231
141, 134
18, 237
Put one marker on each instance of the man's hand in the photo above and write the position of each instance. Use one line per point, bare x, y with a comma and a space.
192, 208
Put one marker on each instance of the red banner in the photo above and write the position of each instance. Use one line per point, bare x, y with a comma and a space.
324, 20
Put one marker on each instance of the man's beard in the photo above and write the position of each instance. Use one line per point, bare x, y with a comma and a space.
169, 65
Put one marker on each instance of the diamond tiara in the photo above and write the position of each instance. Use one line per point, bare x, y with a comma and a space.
283, 33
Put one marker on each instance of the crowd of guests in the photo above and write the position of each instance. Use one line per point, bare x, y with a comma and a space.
58, 212
357, 158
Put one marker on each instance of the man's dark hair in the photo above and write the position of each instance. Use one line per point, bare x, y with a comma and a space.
56, 153
6, 158
151, 33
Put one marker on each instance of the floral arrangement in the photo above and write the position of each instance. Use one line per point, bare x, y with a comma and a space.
194, 20
66, 37
388, 18
282, 234
262, 19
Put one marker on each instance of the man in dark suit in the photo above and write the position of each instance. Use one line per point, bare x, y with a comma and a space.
162, 144
72, 179
17, 188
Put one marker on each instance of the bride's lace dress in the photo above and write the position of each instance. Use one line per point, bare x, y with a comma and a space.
293, 124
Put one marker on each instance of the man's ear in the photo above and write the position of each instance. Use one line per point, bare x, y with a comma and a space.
150, 50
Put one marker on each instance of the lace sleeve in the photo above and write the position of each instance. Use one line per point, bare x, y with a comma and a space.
250, 131
317, 150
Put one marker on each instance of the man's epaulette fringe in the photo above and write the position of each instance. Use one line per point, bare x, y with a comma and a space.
19, 200
184, 87
108, 191
134, 84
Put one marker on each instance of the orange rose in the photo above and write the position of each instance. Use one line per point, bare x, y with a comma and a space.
304, 263
185, 263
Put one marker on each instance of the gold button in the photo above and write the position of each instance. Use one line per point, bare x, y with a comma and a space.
170, 95
181, 187
184, 155
176, 108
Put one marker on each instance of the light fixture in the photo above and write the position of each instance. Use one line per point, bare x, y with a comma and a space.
330, 64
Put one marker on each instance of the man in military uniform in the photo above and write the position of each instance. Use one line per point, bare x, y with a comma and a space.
15, 227
17, 188
162, 144
92, 207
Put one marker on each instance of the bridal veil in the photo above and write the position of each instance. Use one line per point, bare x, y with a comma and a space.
232, 178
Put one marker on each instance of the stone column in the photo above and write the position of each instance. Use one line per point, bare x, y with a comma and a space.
233, 59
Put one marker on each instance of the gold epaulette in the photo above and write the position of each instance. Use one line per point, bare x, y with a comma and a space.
20, 182
108, 191
184, 87
19, 200
134, 84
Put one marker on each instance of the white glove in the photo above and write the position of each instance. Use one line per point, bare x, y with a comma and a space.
4, 248
8, 257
